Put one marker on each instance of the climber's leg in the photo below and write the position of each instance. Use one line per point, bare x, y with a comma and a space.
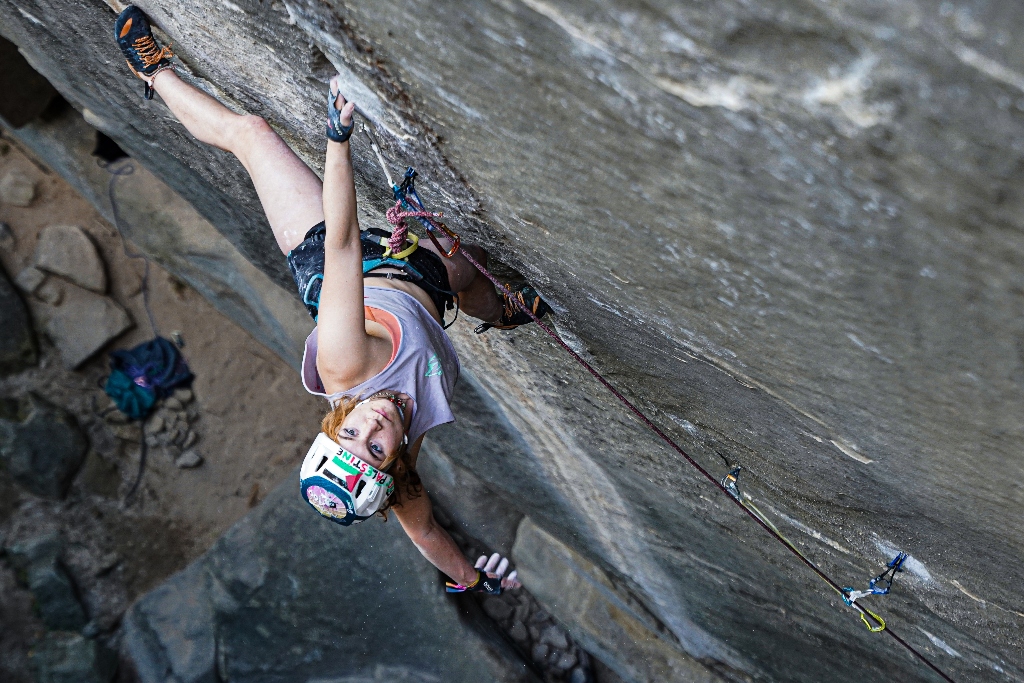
477, 297
291, 194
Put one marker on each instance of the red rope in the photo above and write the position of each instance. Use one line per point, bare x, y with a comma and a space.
396, 217
672, 444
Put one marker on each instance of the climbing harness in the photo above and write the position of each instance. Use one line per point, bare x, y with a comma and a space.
750, 510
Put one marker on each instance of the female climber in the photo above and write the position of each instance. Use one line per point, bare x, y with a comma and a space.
378, 352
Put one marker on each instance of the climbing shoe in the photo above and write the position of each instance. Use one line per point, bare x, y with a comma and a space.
144, 55
513, 316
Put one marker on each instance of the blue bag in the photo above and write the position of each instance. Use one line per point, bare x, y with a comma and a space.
141, 375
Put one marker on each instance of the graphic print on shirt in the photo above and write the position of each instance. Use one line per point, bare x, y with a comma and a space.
434, 367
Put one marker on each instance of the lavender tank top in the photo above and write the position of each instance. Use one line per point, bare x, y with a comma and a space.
424, 364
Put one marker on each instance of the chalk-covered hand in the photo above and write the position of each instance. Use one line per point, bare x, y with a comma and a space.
490, 577
339, 114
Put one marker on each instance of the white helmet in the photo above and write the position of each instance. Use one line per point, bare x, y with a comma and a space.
340, 486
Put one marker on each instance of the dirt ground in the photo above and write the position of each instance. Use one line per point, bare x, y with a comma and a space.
253, 420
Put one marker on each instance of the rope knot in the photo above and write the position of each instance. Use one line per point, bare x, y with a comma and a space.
396, 217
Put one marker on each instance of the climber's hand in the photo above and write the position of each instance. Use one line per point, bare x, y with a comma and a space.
339, 114
495, 567
490, 577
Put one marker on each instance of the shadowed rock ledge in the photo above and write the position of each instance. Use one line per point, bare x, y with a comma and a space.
790, 231
280, 599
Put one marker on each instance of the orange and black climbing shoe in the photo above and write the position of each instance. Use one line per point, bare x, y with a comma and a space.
144, 55
513, 315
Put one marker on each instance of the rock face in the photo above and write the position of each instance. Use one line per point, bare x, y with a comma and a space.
40, 444
70, 658
790, 231
286, 596
51, 586
67, 251
18, 341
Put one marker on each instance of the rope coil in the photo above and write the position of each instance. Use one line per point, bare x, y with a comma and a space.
399, 233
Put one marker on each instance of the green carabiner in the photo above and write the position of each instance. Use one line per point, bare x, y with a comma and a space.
864, 613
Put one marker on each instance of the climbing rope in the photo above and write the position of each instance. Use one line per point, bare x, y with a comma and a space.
116, 171
400, 233
849, 596
406, 192
125, 169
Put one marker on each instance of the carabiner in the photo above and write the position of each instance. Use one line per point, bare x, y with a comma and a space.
409, 190
730, 483
889, 575
455, 239
879, 621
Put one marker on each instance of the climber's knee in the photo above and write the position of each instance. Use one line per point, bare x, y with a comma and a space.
250, 133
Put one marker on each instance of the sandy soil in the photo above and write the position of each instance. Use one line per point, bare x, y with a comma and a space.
253, 420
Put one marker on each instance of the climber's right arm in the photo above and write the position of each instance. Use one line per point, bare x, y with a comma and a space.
345, 351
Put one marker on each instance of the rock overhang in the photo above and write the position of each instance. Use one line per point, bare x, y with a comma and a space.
737, 213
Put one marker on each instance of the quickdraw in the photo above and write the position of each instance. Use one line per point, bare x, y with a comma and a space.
887, 577
880, 585
730, 483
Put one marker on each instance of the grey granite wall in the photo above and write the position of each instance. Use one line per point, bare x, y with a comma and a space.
791, 231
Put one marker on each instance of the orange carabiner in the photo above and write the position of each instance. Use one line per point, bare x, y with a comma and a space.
455, 239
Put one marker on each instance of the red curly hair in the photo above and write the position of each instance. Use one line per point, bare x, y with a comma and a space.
407, 481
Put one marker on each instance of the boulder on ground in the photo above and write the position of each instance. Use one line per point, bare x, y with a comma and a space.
38, 550
54, 592
29, 279
41, 445
84, 323
67, 251
17, 189
59, 606
287, 596
63, 657
17, 340
189, 459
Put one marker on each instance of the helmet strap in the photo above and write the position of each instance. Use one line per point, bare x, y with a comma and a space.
387, 395
400, 404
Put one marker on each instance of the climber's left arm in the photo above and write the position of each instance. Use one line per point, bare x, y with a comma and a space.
416, 516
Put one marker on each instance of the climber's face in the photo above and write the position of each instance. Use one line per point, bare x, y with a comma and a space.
372, 431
